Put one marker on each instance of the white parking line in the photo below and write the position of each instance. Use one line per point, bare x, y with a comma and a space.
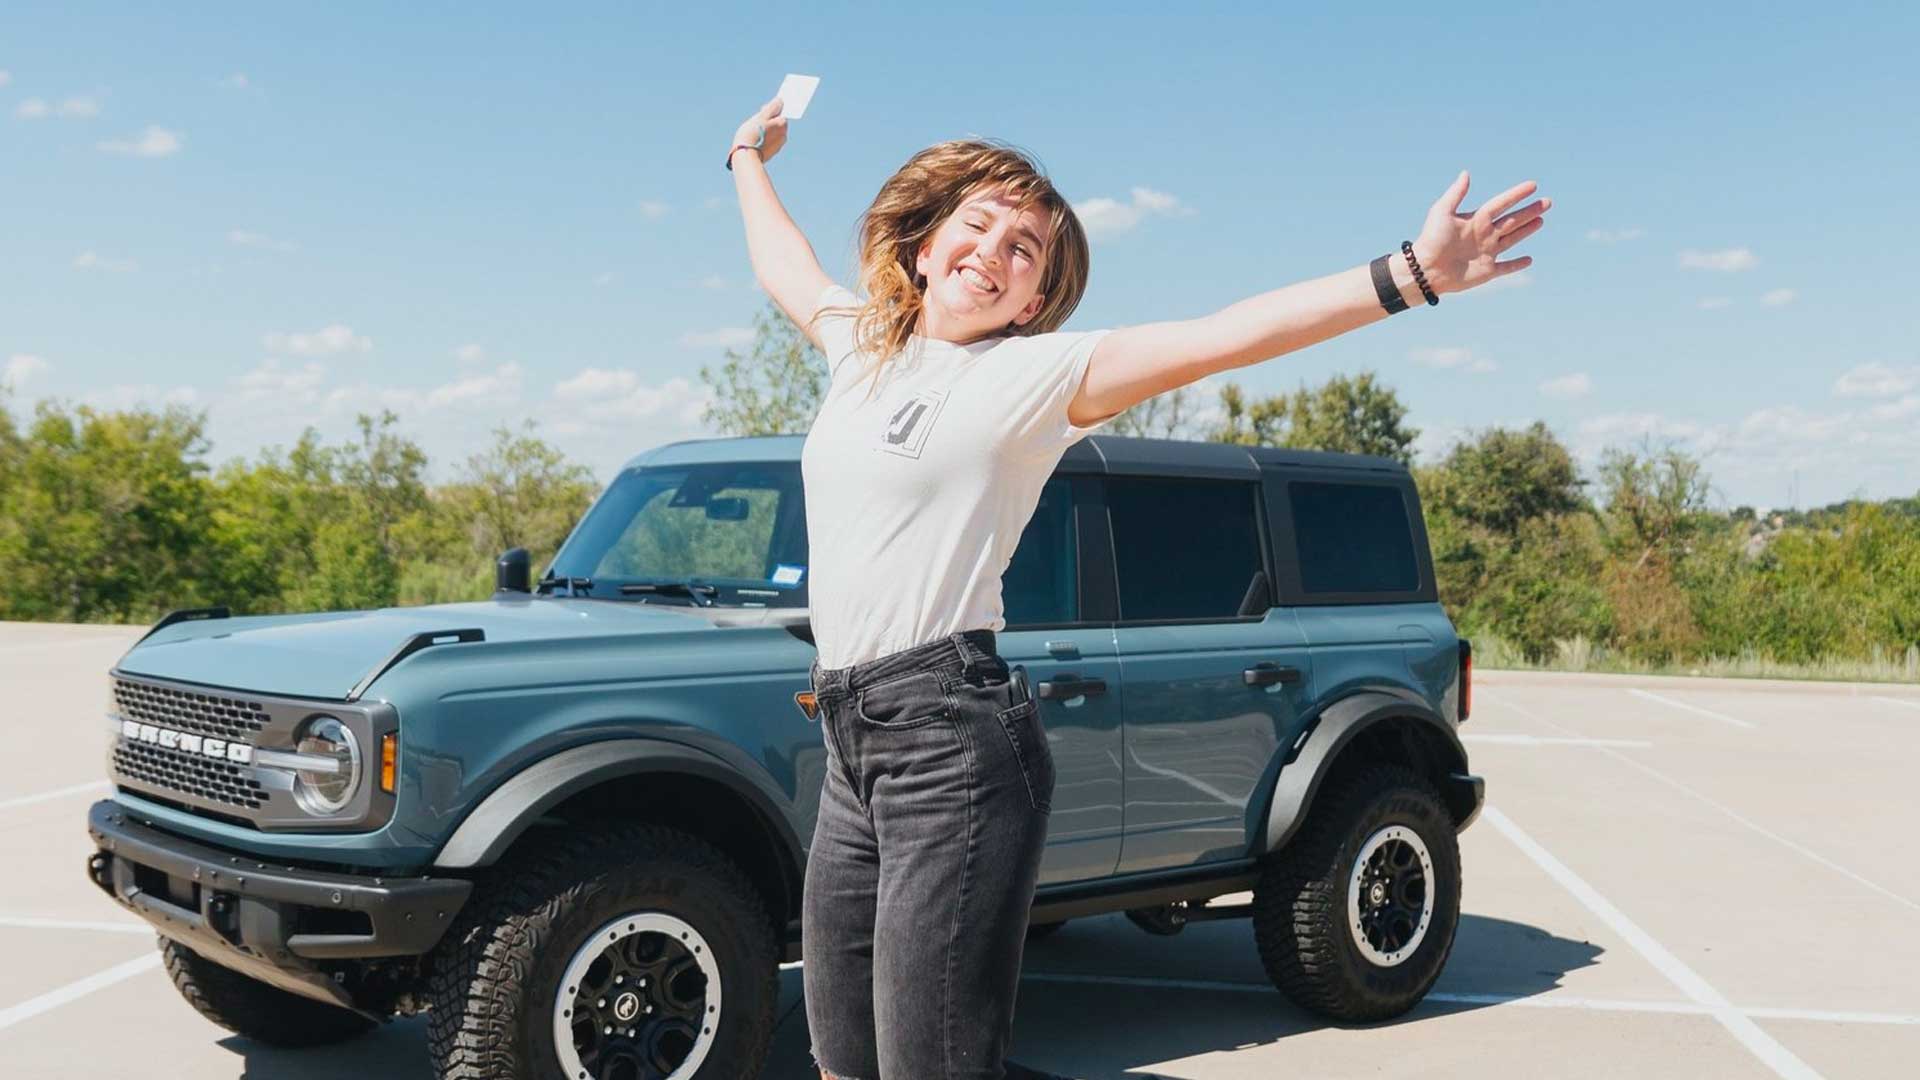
1763, 1046
73, 991
59, 793
27, 922
1727, 810
1723, 717
1548, 740
1529, 1001
1898, 701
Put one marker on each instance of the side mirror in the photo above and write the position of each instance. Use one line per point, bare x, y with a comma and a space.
513, 572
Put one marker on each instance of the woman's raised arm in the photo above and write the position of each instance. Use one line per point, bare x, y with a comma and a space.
1456, 252
783, 261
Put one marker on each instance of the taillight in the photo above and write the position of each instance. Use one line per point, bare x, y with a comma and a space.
1466, 679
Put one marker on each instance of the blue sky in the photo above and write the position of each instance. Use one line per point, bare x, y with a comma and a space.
286, 214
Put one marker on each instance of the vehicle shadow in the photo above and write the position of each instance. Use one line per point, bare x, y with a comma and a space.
1099, 1000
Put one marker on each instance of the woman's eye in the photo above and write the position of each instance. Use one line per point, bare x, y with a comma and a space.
974, 227
1019, 249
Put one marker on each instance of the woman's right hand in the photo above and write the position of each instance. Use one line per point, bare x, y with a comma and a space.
768, 118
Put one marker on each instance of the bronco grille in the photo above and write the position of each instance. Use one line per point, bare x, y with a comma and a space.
202, 714
188, 774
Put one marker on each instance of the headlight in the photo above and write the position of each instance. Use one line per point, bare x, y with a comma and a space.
327, 789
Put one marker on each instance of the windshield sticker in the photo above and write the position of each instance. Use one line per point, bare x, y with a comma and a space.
784, 574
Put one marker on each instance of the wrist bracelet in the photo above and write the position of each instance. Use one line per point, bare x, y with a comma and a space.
759, 140
1419, 278
1384, 288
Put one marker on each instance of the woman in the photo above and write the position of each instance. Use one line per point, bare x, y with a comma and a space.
953, 395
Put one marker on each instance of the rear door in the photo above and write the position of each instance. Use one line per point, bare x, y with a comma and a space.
1059, 625
1214, 671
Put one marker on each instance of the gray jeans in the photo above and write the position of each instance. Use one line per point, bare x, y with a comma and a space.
920, 878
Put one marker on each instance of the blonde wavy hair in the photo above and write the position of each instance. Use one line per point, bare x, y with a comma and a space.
912, 205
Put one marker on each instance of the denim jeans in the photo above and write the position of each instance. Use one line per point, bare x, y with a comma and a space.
925, 853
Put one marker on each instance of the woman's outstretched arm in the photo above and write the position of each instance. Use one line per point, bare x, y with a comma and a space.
1456, 252
783, 261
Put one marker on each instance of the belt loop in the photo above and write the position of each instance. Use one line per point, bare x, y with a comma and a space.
966, 651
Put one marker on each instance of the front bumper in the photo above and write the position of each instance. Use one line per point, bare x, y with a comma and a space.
273, 922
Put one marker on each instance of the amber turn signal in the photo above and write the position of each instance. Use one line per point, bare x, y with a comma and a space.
389, 753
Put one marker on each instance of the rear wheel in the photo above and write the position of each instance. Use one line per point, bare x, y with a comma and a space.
1355, 917
630, 953
261, 1012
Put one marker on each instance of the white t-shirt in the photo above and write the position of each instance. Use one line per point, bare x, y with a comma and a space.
916, 498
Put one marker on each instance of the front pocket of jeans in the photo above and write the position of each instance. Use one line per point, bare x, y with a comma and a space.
906, 702
1023, 729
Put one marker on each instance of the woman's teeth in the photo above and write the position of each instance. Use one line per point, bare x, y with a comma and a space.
973, 278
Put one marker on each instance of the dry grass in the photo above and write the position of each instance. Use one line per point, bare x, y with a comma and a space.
1579, 654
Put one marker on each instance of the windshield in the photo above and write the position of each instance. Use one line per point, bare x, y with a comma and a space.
740, 527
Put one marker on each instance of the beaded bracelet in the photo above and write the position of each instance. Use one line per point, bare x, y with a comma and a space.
759, 140
1419, 278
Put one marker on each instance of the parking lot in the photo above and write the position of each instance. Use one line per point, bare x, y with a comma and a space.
1672, 878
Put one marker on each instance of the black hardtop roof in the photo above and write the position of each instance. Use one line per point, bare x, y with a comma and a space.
1095, 453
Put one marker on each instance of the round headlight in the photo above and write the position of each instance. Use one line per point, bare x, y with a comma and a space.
327, 790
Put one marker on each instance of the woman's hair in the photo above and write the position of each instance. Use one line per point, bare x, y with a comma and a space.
913, 204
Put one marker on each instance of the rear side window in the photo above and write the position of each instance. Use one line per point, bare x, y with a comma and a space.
1041, 582
1353, 538
1186, 549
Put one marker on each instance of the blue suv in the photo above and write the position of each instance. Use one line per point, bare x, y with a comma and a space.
569, 822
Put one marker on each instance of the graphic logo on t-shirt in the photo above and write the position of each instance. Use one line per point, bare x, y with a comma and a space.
907, 429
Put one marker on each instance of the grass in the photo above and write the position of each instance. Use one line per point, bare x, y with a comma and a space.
1491, 652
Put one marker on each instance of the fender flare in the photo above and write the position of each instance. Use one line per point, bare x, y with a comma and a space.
500, 818
1299, 780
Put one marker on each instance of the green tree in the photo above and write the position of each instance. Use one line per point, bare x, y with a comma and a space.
1352, 415
773, 389
1501, 478
1164, 416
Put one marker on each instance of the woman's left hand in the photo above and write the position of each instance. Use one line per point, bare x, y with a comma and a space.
1459, 251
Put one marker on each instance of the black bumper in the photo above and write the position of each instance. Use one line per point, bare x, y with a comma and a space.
267, 920
1466, 794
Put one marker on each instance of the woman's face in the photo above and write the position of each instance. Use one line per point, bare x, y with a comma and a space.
985, 239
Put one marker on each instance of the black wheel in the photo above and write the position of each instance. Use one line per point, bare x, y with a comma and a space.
628, 953
261, 1012
1355, 917
1036, 931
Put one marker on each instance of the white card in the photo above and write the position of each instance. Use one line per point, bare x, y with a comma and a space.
795, 92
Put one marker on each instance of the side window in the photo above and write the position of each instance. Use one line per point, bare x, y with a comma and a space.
1042, 581
1186, 549
1353, 538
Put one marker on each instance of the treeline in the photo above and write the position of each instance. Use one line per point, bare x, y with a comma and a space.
118, 517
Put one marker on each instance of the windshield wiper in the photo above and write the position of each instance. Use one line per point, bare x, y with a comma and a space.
699, 592
575, 586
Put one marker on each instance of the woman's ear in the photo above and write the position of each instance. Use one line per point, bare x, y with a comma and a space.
920, 257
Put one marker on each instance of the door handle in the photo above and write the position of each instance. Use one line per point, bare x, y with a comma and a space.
1068, 685
1267, 673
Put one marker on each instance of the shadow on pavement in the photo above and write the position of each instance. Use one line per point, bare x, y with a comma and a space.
1070, 1020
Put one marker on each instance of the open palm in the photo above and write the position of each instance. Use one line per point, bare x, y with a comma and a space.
1459, 251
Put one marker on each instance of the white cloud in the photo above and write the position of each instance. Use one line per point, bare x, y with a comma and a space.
1519, 279
1568, 387
1777, 297
322, 342
123, 396
604, 394
1619, 427
93, 260
604, 279
271, 379
22, 368
5, 77
713, 202
235, 81
1876, 381
1453, 357
470, 353
726, 337
713, 281
1897, 410
1710, 303
1729, 259
247, 238
1102, 216
1615, 236
77, 108
154, 142
654, 209
33, 109
498, 387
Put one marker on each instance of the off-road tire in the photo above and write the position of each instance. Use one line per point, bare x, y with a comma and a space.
495, 976
259, 1011
1300, 905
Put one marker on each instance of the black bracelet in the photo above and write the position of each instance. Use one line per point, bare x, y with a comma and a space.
1384, 288
1419, 278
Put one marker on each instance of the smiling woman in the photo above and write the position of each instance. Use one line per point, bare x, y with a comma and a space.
919, 483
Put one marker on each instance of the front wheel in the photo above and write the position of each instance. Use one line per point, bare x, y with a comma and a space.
1355, 917
628, 953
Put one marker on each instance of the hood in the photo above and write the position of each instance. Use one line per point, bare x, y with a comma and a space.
325, 655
